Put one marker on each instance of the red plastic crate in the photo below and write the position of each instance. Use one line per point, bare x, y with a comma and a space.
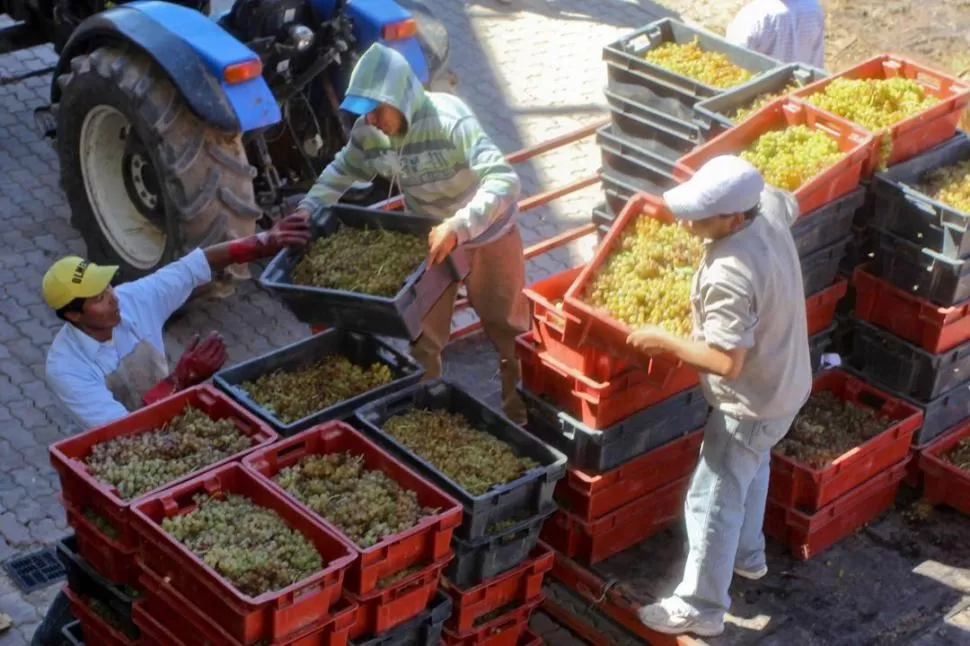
427, 542
943, 483
560, 333
590, 497
920, 132
510, 629
517, 586
832, 183
598, 328
810, 534
95, 629
820, 307
596, 404
82, 490
271, 616
592, 541
166, 618
387, 608
794, 484
934, 328
105, 554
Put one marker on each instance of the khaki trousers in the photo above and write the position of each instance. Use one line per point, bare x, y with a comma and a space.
494, 284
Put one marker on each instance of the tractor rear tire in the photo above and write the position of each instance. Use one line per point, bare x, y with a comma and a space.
147, 180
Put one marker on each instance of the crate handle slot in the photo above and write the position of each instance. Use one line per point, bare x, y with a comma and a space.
205, 397
299, 449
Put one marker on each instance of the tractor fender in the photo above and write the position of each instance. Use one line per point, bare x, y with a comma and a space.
192, 50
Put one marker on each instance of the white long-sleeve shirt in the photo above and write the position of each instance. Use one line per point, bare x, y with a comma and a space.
791, 31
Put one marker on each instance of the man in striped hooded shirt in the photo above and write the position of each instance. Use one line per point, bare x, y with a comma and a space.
432, 146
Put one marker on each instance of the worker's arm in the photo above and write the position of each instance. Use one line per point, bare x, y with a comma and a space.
700, 355
84, 394
499, 185
348, 166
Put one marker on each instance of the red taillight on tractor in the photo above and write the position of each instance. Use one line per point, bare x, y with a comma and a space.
400, 30
242, 72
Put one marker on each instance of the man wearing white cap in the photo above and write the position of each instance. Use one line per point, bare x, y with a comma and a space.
750, 346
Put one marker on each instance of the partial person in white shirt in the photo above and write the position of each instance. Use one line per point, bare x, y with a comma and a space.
109, 359
791, 31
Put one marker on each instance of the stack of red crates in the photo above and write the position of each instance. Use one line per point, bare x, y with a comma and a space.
809, 509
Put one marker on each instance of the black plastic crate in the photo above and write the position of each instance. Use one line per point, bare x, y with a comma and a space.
399, 316
859, 251
361, 349
827, 224
88, 583
423, 630
631, 125
603, 218
713, 115
900, 208
642, 169
819, 268
596, 451
820, 344
483, 558
661, 104
630, 50
920, 271
530, 494
886, 359
72, 635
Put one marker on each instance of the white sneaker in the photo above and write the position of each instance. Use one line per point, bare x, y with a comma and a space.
671, 617
752, 574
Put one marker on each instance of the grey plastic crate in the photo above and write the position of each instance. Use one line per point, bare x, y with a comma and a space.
665, 103
632, 127
484, 558
859, 251
920, 271
827, 224
629, 52
635, 167
423, 630
888, 360
529, 494
600, 450
900, 208
398, 316
819, 268
820, 344
714, 115
72, 634
360, 349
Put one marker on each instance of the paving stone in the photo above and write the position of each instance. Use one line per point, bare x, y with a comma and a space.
45, 531
13, 531
14, 606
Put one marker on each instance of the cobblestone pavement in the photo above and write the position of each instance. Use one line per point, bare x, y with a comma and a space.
530, 69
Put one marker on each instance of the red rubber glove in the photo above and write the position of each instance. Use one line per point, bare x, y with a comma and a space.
197, 363
291, 231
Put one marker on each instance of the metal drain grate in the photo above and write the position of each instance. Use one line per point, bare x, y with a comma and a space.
35, 570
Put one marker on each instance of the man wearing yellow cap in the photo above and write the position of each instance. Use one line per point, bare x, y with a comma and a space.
109, 358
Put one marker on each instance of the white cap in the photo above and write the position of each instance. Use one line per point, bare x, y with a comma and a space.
723, 185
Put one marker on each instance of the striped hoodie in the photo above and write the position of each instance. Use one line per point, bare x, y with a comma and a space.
444, 163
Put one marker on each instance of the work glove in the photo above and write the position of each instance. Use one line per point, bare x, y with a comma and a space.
291, 231
199, 362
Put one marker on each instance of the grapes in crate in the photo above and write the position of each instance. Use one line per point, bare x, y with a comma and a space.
791, 156
647, 279
137, 464
827, 427
366, 505
474, 459
949, 185
759, 102
367, 261
692, 61
294, 394
959, 455
251, 546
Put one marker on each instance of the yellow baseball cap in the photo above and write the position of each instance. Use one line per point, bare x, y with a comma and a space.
74, 277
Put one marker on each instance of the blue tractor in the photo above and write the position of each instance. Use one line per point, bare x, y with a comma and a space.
178, 125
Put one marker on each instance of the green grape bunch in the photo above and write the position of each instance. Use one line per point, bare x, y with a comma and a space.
366, 261
959, 455
827, 427
759, 102
365, 504
474, 459
647, 279
137, 464
949, 185
251, 546
791, 156
691, 60
293, 394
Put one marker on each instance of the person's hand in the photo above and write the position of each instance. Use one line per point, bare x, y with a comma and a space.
291, 231
651, 339
441, 241
199, 361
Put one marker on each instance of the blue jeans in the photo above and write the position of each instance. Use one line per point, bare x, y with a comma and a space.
725, 507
